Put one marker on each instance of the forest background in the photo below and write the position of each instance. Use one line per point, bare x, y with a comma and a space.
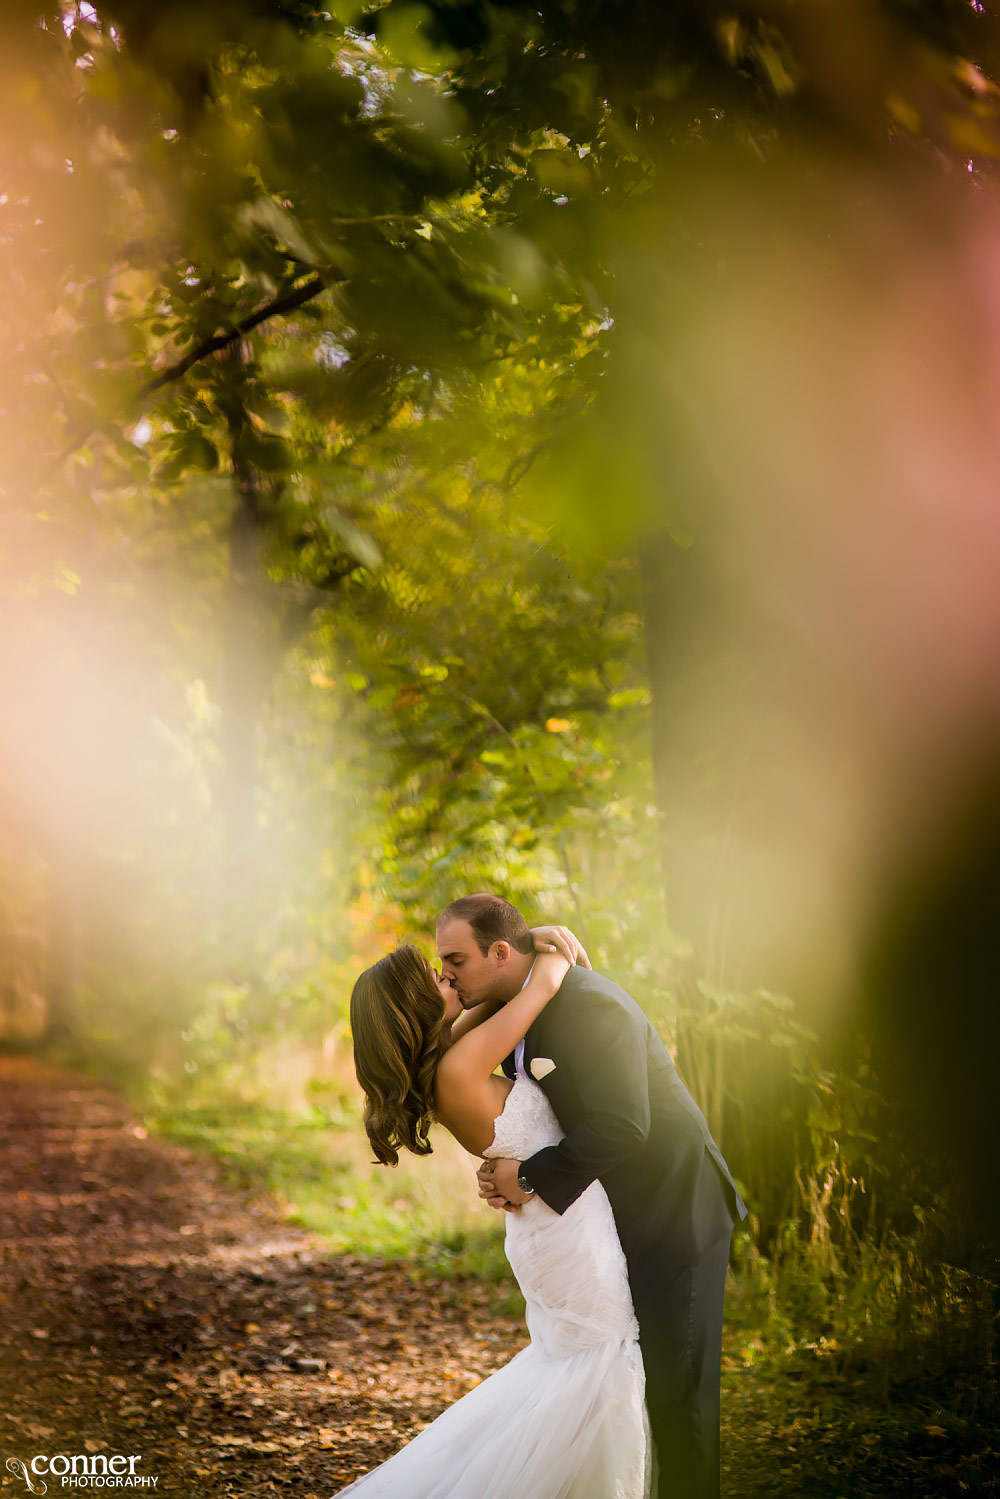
459, 446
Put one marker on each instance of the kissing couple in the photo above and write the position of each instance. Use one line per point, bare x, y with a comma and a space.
619, 1213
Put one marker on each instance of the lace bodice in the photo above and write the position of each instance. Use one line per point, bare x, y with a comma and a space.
526, 1123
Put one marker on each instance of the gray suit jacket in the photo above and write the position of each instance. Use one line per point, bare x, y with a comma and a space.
630, 1121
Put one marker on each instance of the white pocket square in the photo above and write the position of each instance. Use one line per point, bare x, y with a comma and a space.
540, 1067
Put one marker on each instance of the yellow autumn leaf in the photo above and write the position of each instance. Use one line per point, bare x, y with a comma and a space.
558, 725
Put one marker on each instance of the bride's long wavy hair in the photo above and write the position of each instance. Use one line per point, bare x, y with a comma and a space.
397, 1022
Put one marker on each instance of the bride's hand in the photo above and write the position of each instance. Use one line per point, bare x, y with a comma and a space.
559, 939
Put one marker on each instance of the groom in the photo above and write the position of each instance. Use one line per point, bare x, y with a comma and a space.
629, 1121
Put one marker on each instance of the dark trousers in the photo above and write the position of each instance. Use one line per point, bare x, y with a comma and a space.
680, 1332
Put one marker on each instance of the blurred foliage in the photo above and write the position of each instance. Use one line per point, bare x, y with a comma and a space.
333, 523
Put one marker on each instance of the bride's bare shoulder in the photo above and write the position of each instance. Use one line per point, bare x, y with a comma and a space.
465, 1102
455, 1077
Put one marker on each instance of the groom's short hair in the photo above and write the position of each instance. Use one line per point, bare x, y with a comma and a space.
492, 919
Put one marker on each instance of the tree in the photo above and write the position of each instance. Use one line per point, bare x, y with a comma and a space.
239, 168
289, 231
767, 193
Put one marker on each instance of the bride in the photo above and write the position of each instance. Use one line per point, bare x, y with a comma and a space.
566, 1418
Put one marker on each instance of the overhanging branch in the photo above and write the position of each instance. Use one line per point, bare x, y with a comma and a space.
287, 303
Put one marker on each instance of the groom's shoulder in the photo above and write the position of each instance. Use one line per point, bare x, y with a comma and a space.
596, 988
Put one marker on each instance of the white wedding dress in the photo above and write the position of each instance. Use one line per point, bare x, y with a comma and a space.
566, 1418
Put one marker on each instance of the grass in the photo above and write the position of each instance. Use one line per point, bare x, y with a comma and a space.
287, 1122
317, 1164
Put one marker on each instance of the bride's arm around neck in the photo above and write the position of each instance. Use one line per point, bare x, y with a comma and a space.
479, 1050
467, 1096
469, 1019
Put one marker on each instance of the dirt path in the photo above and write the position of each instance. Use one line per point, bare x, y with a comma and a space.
147, 1309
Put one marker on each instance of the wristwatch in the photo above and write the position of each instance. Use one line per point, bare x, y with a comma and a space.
524, 1184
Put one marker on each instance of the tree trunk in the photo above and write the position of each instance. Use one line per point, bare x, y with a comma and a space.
247, 651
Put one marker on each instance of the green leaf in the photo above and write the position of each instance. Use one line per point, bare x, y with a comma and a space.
262, 450
200, 452
355, 541
265, 213
561, 172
